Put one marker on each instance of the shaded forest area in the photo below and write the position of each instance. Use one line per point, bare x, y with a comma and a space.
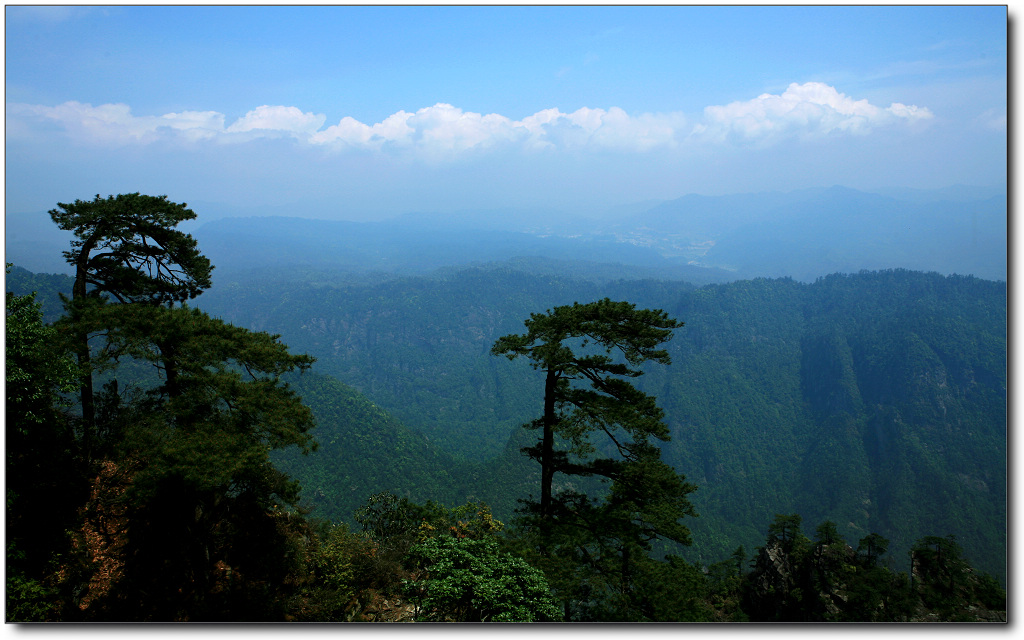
172, 462
876, 400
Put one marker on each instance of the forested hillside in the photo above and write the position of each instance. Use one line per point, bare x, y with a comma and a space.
364, 451
782, 396
875, 401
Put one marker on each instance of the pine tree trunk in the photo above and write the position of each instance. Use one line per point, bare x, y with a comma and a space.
84, 358
547, 462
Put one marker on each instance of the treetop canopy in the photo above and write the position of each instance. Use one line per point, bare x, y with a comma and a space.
126, 246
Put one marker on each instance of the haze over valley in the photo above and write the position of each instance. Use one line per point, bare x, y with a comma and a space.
803, 235
496, 313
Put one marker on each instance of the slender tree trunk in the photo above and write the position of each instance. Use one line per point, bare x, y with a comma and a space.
88, 402
84, 359
547, 462
170, 362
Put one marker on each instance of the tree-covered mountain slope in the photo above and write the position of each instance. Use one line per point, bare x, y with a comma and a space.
363, 451
418, 347
47, 286
877, 400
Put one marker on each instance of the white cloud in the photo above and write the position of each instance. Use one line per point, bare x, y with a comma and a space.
600, 129
350, 132
443, 130
282, 119
192, 125
803, 110
114, 123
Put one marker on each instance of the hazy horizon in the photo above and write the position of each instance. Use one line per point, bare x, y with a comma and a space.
365, 113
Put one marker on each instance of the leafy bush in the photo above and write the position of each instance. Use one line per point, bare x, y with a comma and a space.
28, 600
472, 580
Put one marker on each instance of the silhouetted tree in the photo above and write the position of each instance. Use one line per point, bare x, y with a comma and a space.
126, 248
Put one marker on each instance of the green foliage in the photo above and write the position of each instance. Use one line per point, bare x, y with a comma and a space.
606, 403
942, 577
126, 246
28, 600
186, 517
848, 401
785, 531
989, 593
609, 402
213, 373
37, 372
678, 591
44, 478
609, 537
47, 288
198, 494
418, 348
390, 521
336, 565
447, 562
827, 534
468, 579
876, 594
363, 451
872, 546
830, 582
757, 400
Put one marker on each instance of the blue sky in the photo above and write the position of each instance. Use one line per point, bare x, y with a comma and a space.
362, 112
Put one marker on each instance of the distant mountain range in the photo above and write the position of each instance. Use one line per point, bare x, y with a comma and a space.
701, 239
808, 234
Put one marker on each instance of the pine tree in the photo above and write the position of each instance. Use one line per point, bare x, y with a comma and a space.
607, 403
127, 249
187, 517
203, 514
595, 547
872, 546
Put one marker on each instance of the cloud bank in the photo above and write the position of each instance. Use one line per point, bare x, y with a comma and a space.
803, 111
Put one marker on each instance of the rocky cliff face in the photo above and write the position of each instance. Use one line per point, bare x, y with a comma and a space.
797, 583
772, 579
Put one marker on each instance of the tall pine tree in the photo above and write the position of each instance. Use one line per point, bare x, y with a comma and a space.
125, 248
594, 546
